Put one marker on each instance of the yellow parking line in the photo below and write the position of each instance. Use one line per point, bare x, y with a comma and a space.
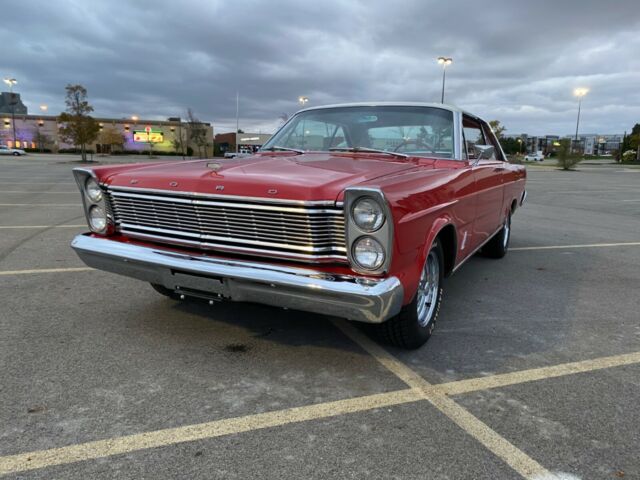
543, 373
589, 245
159, 438
44, 270
40, 226
519, 461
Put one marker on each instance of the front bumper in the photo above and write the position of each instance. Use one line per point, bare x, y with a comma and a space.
354, 298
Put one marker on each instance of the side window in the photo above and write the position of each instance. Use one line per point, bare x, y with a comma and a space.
473, 136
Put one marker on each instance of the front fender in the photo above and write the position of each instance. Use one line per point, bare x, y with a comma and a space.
413, 261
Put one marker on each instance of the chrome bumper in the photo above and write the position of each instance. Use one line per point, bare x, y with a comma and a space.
354, 298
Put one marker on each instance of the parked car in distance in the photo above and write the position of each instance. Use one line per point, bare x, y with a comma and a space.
4, 150
358, 211
534, 157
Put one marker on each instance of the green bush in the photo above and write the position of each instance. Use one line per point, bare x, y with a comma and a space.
566, 158
629, 156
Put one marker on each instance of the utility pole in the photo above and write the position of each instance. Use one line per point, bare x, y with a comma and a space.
237, 118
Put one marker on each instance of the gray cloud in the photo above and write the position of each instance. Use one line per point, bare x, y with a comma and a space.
517, 61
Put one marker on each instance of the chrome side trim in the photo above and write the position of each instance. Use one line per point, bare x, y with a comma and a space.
524, 198
230, 198
355, 298
474, 251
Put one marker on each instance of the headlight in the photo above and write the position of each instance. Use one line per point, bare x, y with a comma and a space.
367, 214
97, 219
93, 190
368, 253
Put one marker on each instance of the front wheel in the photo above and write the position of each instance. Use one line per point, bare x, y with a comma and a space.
16, 154
413, 326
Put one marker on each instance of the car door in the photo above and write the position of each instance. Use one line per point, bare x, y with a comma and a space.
488, 178
4, 150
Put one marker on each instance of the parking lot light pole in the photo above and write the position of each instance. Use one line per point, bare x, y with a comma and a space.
303, 101
520, 146
579, 92
11, 82
444, 61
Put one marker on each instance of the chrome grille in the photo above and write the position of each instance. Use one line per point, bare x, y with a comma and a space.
312, 231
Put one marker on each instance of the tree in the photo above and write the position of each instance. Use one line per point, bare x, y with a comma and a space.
566, 158
111, 136
498, 129
632, 142
77, 126
41, 140
197, 133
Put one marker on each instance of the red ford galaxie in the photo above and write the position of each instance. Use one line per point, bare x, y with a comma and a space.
358, 211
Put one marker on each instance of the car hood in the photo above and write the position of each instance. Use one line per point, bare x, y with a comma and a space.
311, 176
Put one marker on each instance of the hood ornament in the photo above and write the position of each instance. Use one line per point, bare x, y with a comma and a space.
219, 187
272, 191
215, 166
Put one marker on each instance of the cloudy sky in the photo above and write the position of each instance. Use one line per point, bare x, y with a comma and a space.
516, 61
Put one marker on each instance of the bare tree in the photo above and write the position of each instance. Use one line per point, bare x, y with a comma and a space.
197, 133
78, 127
113, 137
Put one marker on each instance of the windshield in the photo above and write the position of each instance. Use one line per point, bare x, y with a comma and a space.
421, 131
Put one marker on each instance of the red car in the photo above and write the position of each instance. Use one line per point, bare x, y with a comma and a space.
358, 211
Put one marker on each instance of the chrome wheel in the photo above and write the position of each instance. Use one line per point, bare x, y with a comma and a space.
428, 289
507, 232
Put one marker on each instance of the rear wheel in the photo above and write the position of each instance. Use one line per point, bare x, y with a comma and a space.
16, 154
498, 246
413, 326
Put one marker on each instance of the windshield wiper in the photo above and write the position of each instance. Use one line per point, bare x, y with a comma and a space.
285, 149
370, 150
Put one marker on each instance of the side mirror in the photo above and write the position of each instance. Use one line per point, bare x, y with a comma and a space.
484, 152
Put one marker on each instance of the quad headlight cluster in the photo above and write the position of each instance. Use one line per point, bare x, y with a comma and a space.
93, 200
369, 231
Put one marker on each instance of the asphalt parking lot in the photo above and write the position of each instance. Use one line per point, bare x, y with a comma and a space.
533, 370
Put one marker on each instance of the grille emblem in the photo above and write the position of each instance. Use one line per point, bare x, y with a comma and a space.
272, 191
133, 181
219, 187
173, 184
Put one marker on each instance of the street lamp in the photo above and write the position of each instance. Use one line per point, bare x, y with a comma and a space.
134, 118
444, 61
303, 101
11, 82
520, 146
44, 108
579, 92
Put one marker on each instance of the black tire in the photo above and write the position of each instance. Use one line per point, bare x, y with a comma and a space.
16, 154
498, 246
405, 330
162, 290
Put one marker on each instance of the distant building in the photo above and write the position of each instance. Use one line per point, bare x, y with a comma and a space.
11, 103
245, 142
42, 132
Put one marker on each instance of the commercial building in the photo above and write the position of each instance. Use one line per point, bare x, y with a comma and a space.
42, 132
240, 142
